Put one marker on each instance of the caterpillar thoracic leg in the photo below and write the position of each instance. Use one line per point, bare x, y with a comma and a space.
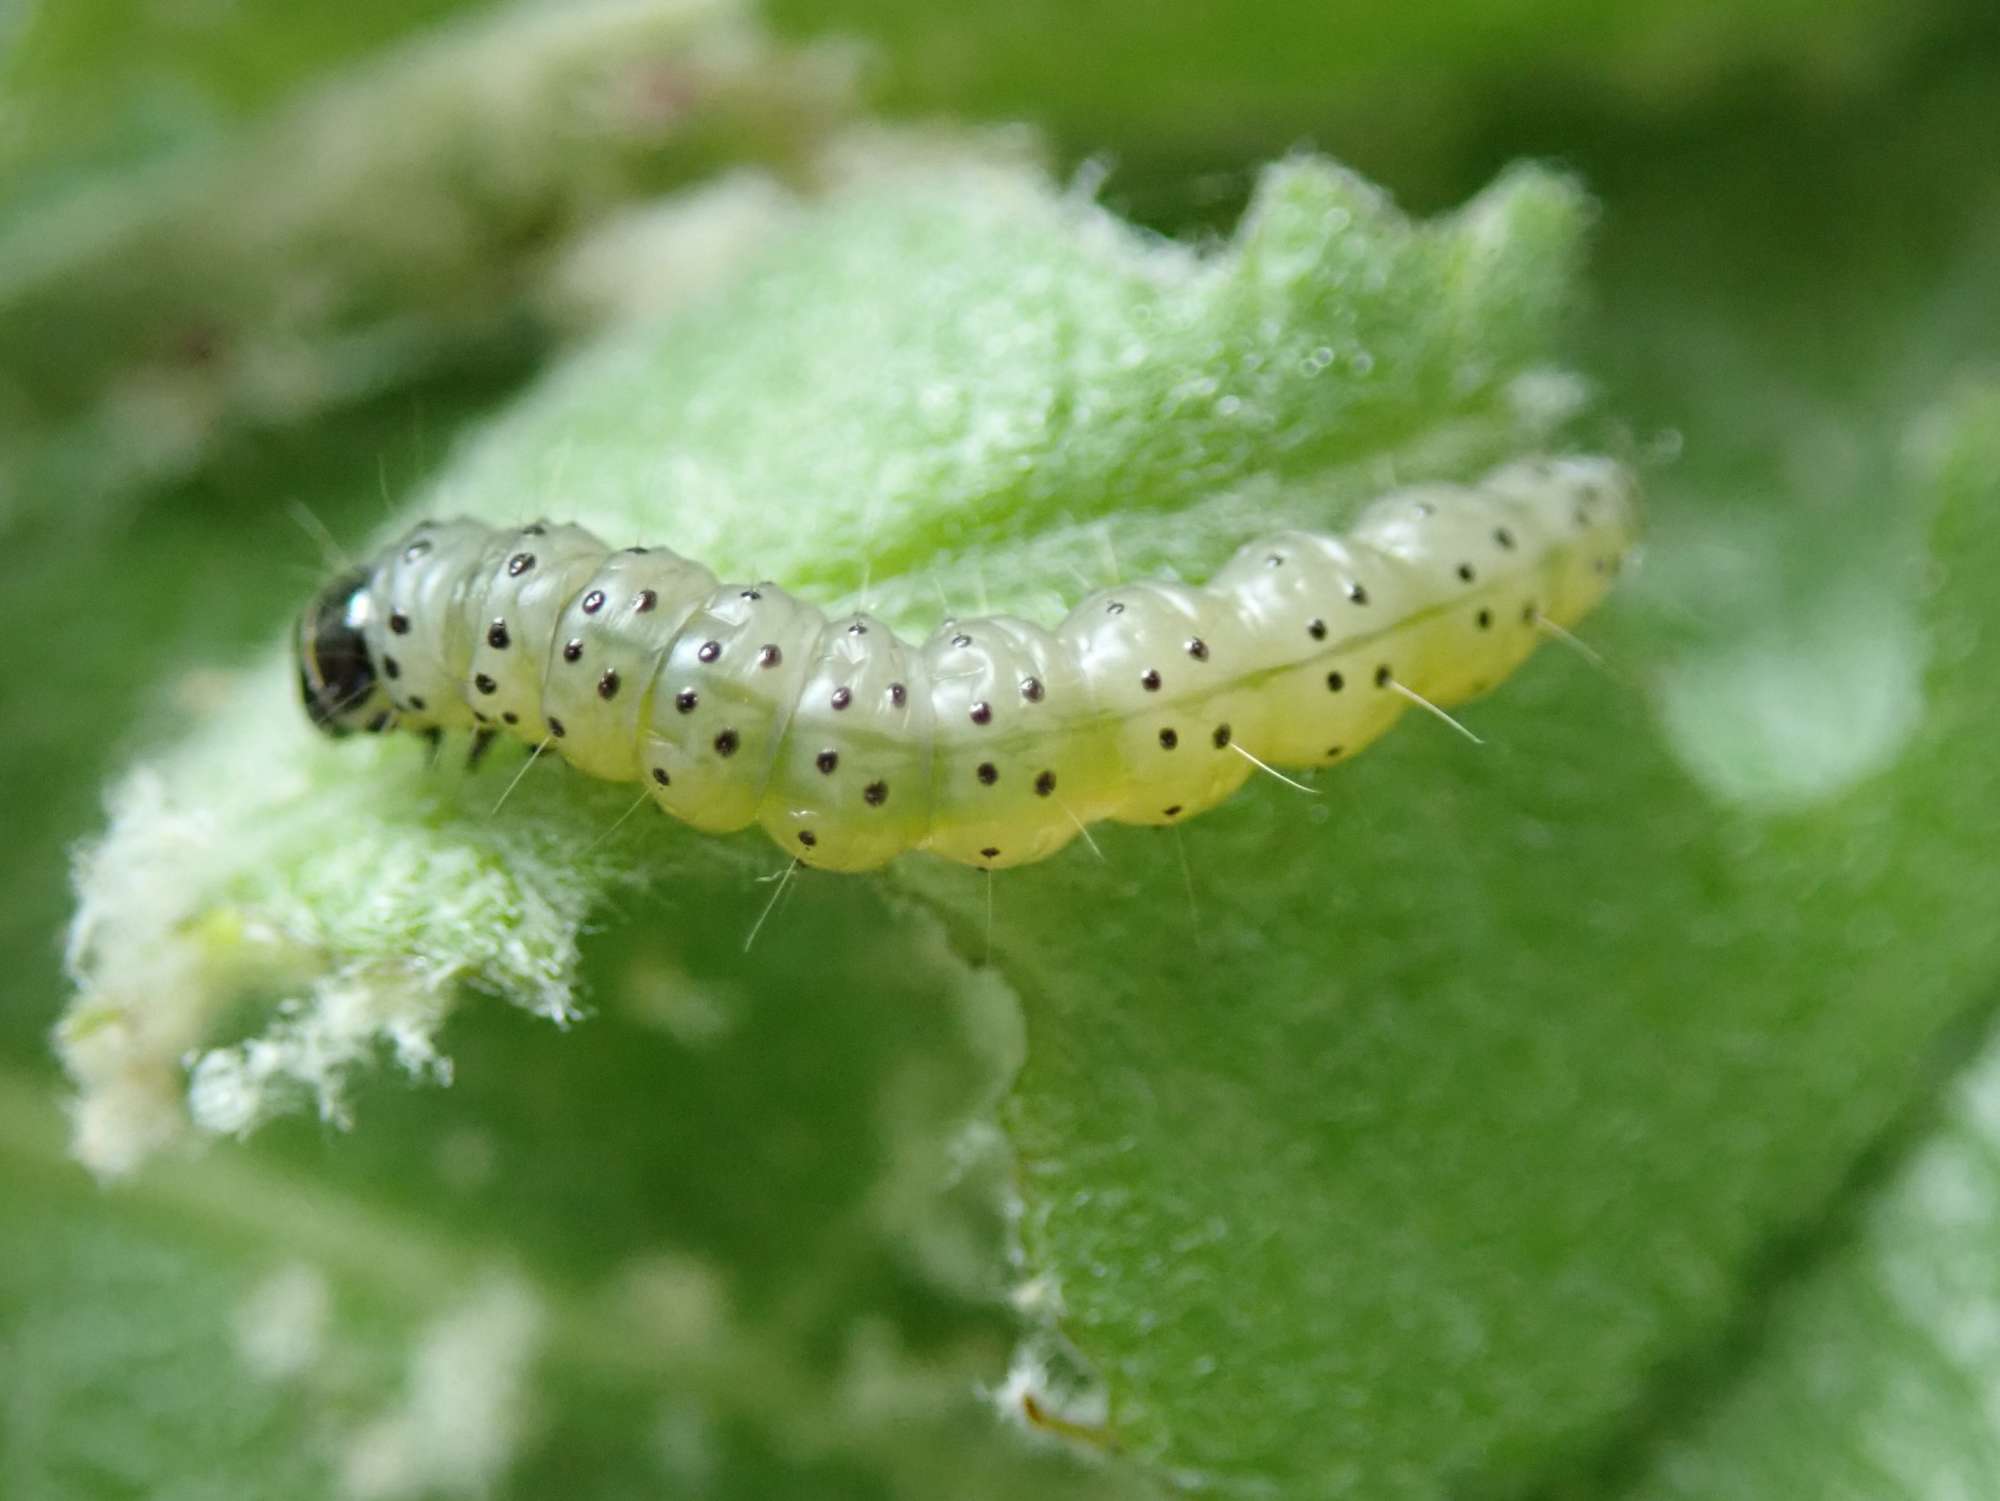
997, 741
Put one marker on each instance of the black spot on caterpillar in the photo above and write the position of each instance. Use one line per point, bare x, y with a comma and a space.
997, 740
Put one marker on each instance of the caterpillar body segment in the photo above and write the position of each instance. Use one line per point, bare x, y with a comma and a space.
996, 741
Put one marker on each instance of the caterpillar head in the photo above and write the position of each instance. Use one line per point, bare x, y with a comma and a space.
336, 675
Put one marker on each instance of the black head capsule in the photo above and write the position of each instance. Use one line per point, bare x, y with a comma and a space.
337, 678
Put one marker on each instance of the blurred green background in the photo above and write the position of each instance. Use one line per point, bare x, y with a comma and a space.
1798, 257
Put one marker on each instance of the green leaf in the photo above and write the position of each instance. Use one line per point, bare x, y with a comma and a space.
403, 219
969, 374
106, 83
1395, 1155
1176, 86
1495, 1094
764, 1284
1449, 1118
1867, 1369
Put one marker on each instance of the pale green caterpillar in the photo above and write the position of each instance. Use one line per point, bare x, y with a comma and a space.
995, 742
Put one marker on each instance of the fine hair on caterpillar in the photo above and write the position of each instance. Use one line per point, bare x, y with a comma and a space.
997, 741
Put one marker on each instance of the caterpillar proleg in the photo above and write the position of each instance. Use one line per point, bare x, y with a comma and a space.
996, 741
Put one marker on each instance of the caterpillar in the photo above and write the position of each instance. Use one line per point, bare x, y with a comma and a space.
995, 742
